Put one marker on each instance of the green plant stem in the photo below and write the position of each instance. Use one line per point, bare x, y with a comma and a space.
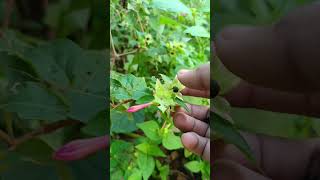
133, 135
139, 20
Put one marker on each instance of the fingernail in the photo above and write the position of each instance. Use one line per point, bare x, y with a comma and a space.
183, 71
236, 32
215, 89
189, 140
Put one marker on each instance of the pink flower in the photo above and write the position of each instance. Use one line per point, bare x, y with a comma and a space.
81, 148
138, 107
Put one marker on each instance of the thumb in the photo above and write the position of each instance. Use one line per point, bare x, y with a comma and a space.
283, 56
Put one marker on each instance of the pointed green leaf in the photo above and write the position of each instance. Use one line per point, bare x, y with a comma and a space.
194, 166
224, 129
182, 104
171, 141
150, 149
150, 129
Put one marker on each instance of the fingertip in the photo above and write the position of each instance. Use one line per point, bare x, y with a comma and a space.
183, 74
189, 140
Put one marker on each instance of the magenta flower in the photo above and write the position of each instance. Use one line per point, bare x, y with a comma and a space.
81, 148
138, 107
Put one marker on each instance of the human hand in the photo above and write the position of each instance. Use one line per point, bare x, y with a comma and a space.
197, 131
279, 65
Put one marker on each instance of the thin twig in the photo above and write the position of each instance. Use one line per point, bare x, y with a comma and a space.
164, 125
112, 45
4, 136
46, 129
127, 53
139, 21
121, 103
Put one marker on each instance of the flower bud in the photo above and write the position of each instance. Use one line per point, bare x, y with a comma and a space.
81, 148
138, 107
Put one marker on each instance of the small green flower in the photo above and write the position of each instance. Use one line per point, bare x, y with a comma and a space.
148, 39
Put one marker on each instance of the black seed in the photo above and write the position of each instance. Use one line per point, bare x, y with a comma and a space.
175, 89
89, 73
215, 89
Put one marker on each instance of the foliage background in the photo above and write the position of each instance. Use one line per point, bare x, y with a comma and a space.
258, 12
52, 91
150, 38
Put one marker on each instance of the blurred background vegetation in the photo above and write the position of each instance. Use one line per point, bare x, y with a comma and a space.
83, 21
52, 91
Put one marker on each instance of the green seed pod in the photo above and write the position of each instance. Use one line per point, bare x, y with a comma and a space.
175, 89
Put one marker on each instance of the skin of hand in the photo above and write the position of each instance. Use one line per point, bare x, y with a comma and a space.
280, 69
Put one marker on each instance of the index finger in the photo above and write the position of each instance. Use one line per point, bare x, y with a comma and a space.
284, 56
198, 79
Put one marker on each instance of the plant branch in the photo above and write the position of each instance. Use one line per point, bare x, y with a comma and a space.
5, 137
46, 129
114, 52
139, 20
121, 103
127, 53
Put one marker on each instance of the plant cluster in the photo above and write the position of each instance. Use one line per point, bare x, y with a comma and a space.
150, 41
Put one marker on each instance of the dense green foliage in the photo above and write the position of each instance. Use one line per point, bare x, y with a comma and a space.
150, 41
258, 12
53, 72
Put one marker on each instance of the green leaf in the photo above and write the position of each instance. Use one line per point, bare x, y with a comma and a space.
53, 62
92, 167
84, 107
171, 5
150, 129
163, 170
223, 128
121, 153
196, 100
163, 96
197, 31
78, 19
187, 153
136, 175
37, 150
182, 104
11, 44
145, 99
74, 75
128, 86
35, 102
98, 126
150, 149
124, 122
171, 141
146, 165
168, 21
224, 77
194, 166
